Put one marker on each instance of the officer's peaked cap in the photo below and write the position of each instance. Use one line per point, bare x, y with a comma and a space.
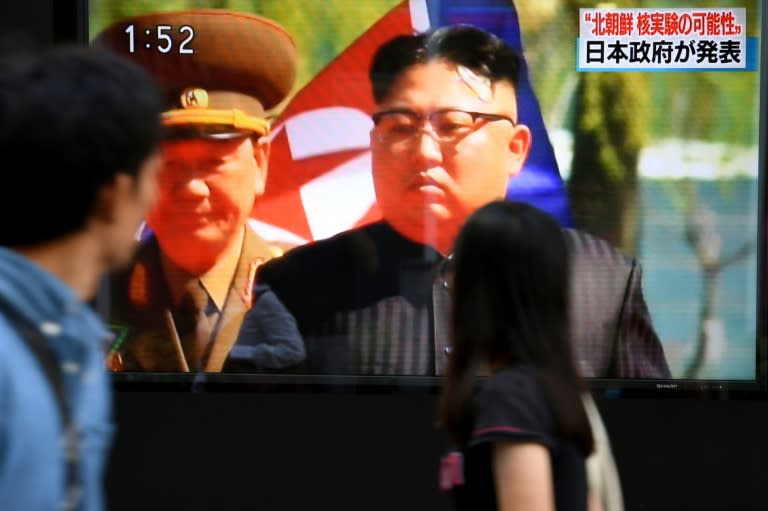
241, 66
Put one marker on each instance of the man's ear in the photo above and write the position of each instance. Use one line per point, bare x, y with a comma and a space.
110, 197
519, 146
261, 148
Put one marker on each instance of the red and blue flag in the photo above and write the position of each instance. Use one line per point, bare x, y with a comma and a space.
320, 181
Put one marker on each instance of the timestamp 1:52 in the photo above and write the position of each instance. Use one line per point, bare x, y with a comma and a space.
159, 37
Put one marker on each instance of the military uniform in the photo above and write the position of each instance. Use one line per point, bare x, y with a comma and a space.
251, 332
221, 72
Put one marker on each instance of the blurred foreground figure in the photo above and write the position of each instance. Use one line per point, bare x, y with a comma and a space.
84, 128
524, 437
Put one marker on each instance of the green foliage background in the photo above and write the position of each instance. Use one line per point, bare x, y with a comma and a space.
709, 106
712, 106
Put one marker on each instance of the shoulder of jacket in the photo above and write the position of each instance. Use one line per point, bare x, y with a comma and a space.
583, 243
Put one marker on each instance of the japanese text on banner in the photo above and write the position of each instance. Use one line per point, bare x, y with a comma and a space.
662, 39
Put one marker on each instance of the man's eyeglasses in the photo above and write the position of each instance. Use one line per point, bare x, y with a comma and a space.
401, 126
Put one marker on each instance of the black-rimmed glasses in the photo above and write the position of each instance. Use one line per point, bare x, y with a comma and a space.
401, 126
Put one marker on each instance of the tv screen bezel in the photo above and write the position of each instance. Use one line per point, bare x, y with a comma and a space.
70, 25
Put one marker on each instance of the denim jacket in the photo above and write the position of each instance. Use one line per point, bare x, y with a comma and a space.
32, 464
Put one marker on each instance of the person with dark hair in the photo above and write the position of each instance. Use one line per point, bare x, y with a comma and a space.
525, 436
446, 140
83, 129
190, 302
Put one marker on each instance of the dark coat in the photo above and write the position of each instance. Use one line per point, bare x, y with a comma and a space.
366, 301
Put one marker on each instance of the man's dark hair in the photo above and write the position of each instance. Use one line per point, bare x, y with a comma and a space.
71, 119
463, 45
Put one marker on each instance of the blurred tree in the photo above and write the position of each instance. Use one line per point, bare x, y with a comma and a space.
606, 113
611, 125
702, 235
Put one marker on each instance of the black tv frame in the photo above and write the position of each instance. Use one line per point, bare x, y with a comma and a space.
70, 26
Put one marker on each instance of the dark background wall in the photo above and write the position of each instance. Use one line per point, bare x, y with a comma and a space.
380, 452
30, 20
231, 451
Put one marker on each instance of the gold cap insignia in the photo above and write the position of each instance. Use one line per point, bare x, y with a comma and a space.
194, 98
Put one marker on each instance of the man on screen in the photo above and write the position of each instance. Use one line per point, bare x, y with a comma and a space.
446, 140
190, 302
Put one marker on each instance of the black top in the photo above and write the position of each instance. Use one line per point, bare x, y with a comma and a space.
512, 407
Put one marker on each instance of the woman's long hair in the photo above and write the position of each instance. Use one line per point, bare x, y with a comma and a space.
510, 306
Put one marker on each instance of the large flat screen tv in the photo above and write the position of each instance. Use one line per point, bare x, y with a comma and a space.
648, 123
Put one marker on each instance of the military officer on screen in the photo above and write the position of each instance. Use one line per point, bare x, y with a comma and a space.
189, 302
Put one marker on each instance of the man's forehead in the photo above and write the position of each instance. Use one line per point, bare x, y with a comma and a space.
441, 84
479, 85
193, 145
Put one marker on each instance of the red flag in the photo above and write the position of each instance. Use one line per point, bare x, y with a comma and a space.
319, 179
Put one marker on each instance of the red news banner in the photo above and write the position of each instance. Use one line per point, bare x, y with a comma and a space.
662, 39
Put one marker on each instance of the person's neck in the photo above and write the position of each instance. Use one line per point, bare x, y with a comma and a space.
442, 242
442, 235
206, 258
439, 238
72, 259
445, 247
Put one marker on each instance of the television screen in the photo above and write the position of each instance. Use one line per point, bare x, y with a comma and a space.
323, 254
